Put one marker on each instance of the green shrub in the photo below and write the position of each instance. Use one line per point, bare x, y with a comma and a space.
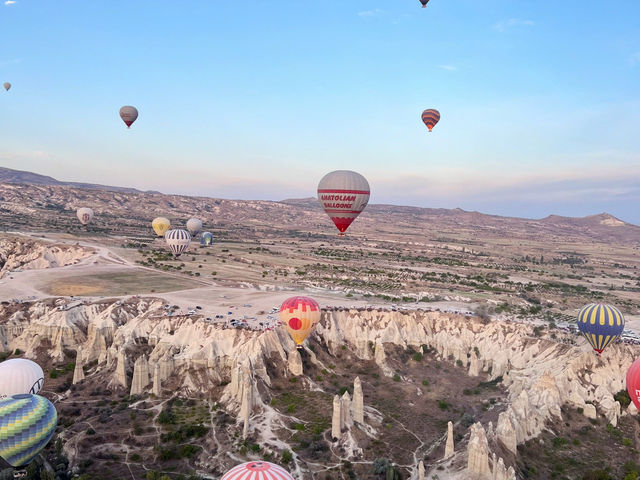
396, 378
417, 356
442, 404
287, 456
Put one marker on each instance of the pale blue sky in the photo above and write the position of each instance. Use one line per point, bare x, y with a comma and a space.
540, 101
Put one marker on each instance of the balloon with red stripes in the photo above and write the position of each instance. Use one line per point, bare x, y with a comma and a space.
257, 471
430, 117
344, 195
633, 383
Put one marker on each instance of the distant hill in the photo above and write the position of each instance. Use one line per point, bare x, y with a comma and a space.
8, 175
38, 201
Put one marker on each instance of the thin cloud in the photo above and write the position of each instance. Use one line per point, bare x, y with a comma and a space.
450, 68
371, 13
10, 2
512, 23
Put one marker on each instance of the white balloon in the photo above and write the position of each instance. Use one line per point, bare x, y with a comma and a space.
194, 225
85, 215
19, 376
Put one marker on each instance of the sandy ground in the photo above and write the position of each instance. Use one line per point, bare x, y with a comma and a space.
248, 305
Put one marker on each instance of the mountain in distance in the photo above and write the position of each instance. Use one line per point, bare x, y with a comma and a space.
8, 175
305, 213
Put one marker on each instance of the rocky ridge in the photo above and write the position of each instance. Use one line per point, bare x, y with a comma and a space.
539, 373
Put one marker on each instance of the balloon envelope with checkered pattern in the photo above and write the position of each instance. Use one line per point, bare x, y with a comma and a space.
27, 423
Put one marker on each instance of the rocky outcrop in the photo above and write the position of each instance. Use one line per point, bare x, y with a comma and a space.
140, 376
121, 369
449, 448
478, 452
18, 253
501, 472
505, 433
157, 383
295, 363
358, 402
345, 411
336, 418
420, 470
78, 371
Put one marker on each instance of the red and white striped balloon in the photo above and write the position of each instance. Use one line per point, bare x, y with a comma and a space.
344, 195
633, 382
257, 471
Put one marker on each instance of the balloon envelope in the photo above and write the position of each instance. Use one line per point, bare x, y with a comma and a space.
300, 315
160, 225
206, 238
27, 423
633, 383
424, 3
194, 225
128, 114
600, 324
19, 375
85, 215
257, 471
178, 241
6, 86
430, 117
344, 195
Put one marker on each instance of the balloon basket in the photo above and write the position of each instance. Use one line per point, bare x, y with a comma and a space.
342, 234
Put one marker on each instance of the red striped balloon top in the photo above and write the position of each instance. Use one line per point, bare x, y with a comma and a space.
257, 471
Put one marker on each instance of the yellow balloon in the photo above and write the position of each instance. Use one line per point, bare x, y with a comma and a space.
300, 315
160, 226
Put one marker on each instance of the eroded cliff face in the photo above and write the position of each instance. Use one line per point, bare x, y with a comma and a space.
18, 253
540, 374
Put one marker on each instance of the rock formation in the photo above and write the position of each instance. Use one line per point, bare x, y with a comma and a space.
157, 383
358, 402
78, 371
420, 470
121, 369
345, 410
478, 452
449, 449
295, 363
505, 432
247, 405
336, 419
140, 376
474, 366
500, 471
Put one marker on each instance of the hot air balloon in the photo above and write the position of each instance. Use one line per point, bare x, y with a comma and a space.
600, 324
344, 195
85, 215
206, 239
257, 471
194, 225
128, 114
160, 225
633, 382
424, 3
430, 117
19, 375
6, 86
27, 423
300, 315
178, 241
